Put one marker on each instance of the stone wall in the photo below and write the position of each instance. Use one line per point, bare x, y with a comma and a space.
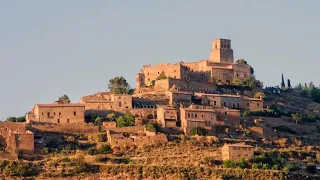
183, 85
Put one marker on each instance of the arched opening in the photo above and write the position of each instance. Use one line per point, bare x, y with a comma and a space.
228, 82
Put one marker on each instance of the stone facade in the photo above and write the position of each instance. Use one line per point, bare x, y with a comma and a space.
183, 85
167, 116
220, 66
16, 138
179, 97
57, 113
105, 101
207, 116
235, 151
231, 101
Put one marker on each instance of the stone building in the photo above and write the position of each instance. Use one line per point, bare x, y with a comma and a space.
167, 116
235, 151
220, 66
179, 97
207, 117
106, 101
57, 113
14, 137
231, 101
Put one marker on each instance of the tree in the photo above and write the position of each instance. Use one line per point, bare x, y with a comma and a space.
311, 86
315, 94
251, 70
198, 131
241, 61
64, 99
242, 163
259, 94
152, 127
229, 164
298, 86
283, 85
119, 85
126, 120
289, 84
98, 122
111, 116
296, 117
17, 119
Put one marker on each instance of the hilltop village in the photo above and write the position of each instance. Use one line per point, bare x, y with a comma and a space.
216, 103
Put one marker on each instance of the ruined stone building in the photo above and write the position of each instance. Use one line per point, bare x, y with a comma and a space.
106, 101
220, 67
206, 117
57, 113
14, 137
231, 101
235, 151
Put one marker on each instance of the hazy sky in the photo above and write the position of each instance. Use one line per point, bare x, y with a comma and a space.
51, 48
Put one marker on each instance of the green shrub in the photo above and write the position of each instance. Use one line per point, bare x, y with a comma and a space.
198, 131
152, 127
229, 164
93, 151
242, 163
126, 120
105, 149
19, 168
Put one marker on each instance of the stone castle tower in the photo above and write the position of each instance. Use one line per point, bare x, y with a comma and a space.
221, 51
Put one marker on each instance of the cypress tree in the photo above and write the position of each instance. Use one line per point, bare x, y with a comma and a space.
289, 84
283, 85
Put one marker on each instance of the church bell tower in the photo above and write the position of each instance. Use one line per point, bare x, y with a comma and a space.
221, 51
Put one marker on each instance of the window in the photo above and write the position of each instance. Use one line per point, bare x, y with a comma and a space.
233, 106
237, 75
228, 45
158, 73
258, 104
48, 114
68, 121
192, 115
202, 115
58, 120
248, 104
224, 104
127, 107
42, 114
188, 114
215, 103
211, 116
195, 115
119, 104
74, 113
238, 105
225, 113
54, 113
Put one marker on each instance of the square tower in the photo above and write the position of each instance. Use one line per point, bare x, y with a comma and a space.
221, 51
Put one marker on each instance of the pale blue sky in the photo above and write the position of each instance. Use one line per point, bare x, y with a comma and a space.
51, 48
